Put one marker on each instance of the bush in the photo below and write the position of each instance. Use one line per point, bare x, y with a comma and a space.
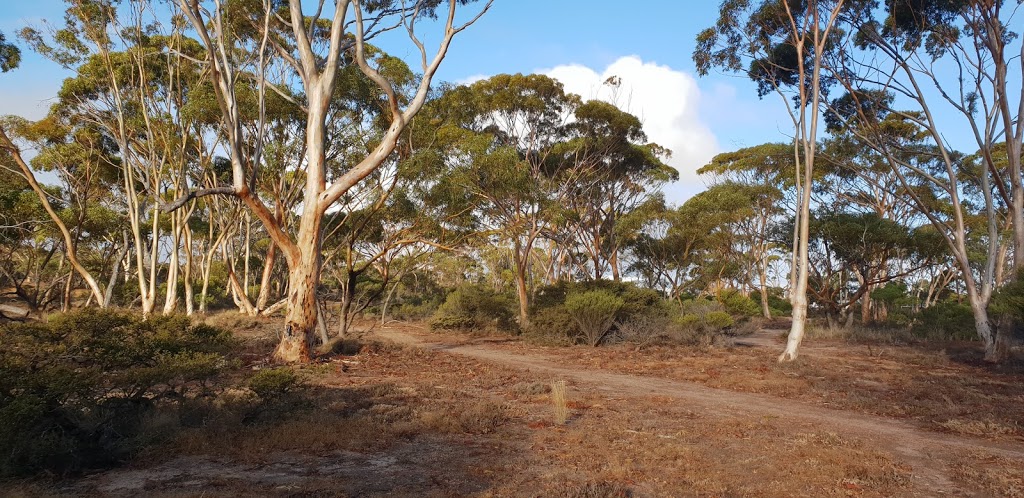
273, 383
551, 323
645, 329
475, 307
551, 326
594, 313
737, 304
701, 321
778, 305
1007, 309
946, 321
79, 391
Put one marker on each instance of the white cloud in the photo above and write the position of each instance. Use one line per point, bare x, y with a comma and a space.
469, 80
667, 101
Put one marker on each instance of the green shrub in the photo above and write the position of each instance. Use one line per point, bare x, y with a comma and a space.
1008, 301
701, 321
634, 299
273, 383
475, 307
778, 305
593, 312
947, 320
551, 326
78, 392
737, 304
1007, 308
550, 322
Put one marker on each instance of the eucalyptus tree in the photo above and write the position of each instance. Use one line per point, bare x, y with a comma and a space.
784, 42
761, 173
856, 253
10, 55
501, 140
14, 161
890, 65
132, 75
84, 160
315, 49
621, 179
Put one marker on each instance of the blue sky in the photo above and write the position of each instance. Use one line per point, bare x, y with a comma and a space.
576, 41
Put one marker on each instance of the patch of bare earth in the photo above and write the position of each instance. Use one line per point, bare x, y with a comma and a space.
445, 416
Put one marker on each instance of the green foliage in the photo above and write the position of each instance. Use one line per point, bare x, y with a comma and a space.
946, 321
736, 303
1007, 307
1008, 301
701, 320
635, 299
593, 312
75, 393
551, 323
778, 305
475, 307
10, 55
552, 326
273, 383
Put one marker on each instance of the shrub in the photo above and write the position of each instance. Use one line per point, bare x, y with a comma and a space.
778, 305
634, 299
645, 329
594, 313
272, 383
737, 304
78, 392
946, 321
1009, 300
473, 307
701, 321
551, 326
551, 323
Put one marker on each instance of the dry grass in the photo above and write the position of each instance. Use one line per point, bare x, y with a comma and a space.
934, 388
413, 422
559, 402
992, 476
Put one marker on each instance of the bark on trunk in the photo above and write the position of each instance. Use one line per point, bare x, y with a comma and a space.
300, 322
765, 309
523, 294
268, 271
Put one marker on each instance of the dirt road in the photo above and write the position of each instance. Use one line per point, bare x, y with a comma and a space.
928, 453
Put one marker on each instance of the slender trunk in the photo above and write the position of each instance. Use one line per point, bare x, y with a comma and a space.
65, 304
190, 306
108, 295
348, 294
173, 266
613, 260
765, 309
7, 144
248, 252
521, 286
268, 271
235, 288
387, 301
865, 309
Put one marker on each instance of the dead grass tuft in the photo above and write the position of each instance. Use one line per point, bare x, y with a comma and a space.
559, 402
993, 476
980, 428
599, 489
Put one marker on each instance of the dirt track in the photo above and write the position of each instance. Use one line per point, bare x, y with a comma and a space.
928, 453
